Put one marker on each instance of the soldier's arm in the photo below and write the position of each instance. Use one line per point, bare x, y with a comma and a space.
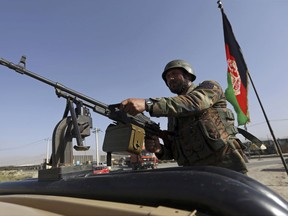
202, 97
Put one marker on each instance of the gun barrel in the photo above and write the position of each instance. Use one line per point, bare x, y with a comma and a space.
111, 112
22, 70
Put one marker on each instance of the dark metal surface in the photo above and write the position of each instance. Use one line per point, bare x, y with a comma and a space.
210, 190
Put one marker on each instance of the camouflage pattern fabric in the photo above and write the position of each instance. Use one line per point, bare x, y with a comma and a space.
202, 124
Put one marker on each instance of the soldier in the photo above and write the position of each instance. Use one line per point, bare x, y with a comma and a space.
203, 131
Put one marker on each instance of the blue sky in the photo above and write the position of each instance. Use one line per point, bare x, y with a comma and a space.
114, 49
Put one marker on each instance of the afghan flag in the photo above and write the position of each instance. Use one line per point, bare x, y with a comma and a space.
237, 76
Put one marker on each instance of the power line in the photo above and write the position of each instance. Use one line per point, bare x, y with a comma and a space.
273, 120
22, 146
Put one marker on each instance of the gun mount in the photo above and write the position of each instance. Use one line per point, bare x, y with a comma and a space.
126, 134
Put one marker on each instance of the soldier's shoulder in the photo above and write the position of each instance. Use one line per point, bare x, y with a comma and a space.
210, 84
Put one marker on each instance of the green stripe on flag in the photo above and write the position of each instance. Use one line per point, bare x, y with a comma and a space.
230, 96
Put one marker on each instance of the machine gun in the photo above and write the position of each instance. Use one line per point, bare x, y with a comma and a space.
125, 134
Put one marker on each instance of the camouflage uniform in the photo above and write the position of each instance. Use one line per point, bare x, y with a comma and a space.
204, 128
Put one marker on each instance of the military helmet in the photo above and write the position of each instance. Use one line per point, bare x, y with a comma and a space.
179, 64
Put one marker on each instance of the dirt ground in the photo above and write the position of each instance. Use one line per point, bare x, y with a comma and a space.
273, 175
15, 175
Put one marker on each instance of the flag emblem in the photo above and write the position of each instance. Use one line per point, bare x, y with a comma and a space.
235, 77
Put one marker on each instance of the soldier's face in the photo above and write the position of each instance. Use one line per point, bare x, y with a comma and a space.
176, 81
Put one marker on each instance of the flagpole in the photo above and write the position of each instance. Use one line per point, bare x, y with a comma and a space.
220, 6
269, 126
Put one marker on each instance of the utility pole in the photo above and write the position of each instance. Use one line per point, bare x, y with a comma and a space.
96, 131
47, 151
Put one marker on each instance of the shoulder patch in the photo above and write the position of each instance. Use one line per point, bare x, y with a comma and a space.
207, 85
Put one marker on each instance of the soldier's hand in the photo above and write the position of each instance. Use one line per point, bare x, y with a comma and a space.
152, 144
133, 106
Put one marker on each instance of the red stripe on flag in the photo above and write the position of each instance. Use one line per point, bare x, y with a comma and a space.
242, 99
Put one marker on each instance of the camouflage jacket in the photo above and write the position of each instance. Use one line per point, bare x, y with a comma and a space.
201, 122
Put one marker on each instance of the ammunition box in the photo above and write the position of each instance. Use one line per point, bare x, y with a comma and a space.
124, 138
